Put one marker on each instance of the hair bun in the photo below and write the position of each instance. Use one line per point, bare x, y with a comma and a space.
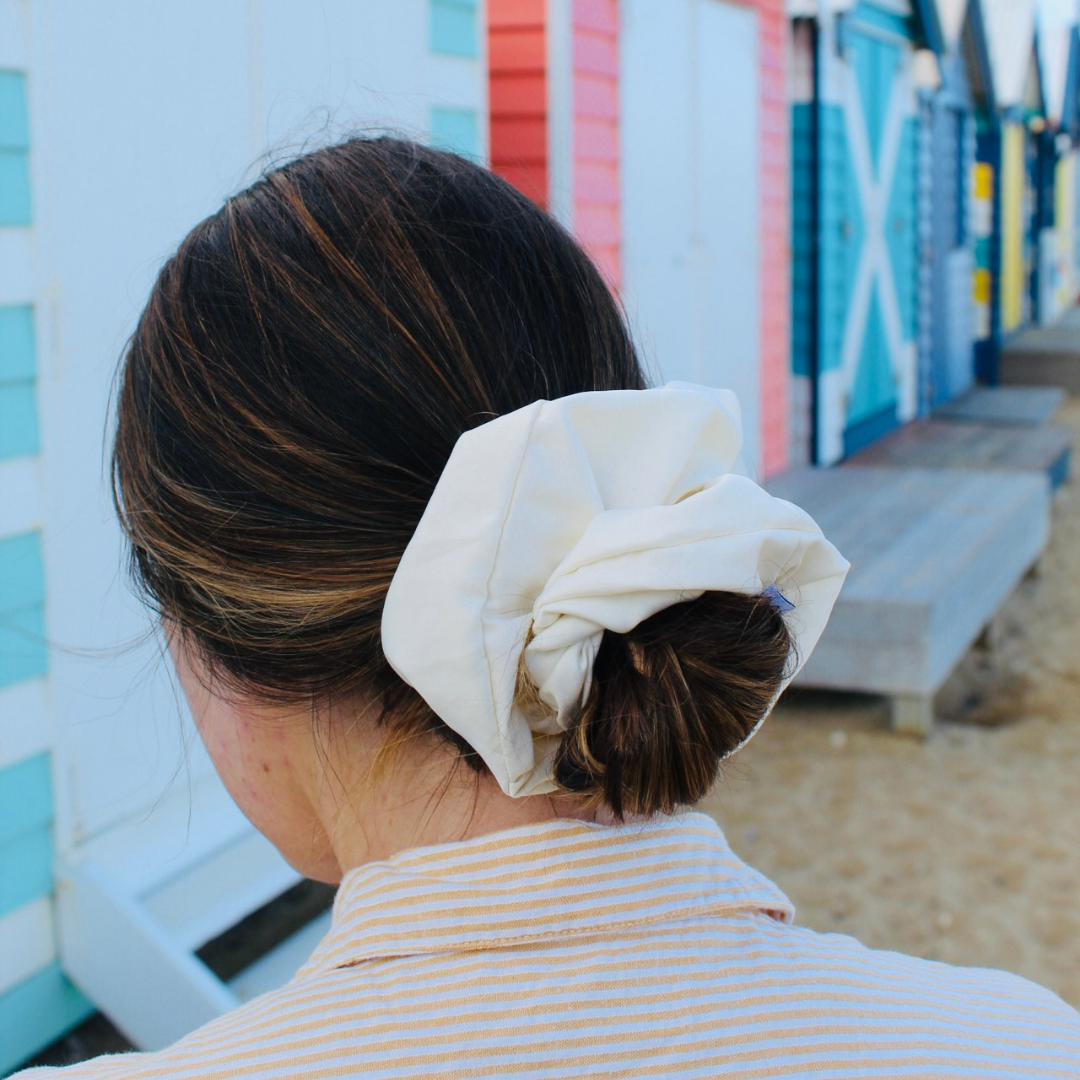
673, 697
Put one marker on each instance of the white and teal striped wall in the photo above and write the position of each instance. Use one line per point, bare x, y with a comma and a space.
89, 737
457, 43
37, 1002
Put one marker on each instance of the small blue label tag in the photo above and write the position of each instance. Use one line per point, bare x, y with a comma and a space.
778, 599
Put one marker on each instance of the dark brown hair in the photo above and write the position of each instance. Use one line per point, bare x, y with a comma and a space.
304, 365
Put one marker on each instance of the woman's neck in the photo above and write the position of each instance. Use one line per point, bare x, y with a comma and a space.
423, 800
322, 790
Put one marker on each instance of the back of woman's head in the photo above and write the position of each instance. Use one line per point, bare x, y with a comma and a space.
303, 368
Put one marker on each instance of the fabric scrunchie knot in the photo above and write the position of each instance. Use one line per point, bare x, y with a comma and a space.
566, 518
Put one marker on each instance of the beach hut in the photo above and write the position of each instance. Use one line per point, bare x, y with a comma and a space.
1000, 199
1031, 152
120, 853
1071, 127
951, 114
657, 134
865, 188
1056, 180
855, 234
1068, 141
1011, 149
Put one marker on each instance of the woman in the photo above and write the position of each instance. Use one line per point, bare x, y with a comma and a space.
467, 618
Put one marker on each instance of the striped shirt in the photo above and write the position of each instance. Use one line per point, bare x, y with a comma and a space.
576, 950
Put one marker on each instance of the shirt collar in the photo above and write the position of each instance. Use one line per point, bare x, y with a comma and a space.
549, 881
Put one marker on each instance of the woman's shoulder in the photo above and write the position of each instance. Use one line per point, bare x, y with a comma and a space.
995, 1003
105, 1067
785, 991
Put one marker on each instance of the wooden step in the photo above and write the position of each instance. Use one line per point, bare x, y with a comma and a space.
135, 903
935, 443
934, 554
1044, 355
1023, 405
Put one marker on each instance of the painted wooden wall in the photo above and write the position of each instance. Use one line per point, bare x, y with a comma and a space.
1066, 278
595, 107
554, 93
691, 169
1057, 269
91, 732
37, 1003
854, 354
561, 133
420, 72
775, 188
1016, 198
454, 85
983, 293
803, 266
518, 94
706, 271
946, 313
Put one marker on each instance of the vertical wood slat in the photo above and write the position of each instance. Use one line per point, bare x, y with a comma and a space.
517, 51
773, 113
15, 207
23, 649
453, 28
517, 88
518, 82
597, 197
19, 435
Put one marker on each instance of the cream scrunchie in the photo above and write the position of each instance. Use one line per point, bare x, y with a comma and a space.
565, 518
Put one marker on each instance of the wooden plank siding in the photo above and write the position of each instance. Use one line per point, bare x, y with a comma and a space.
860, 334
15, 202
520, 95
18, 382
596, 195
775, 233
37, 1002
72, 773
517, 94
518, 57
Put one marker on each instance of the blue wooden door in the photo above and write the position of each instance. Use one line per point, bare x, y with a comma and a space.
948, 303
866, 361
889, 244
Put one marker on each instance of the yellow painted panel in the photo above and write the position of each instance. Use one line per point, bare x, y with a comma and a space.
1065, 230
1012, 225
982, 201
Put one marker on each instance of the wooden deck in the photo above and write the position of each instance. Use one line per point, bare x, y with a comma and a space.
1023, 405
935, 443
1044, 355
934, 554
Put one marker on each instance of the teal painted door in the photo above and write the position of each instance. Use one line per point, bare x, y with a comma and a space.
872, 406
867, 363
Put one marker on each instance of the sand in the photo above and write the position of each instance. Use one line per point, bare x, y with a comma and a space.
963, 848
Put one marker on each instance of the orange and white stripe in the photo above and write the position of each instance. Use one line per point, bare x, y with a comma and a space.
573, 950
